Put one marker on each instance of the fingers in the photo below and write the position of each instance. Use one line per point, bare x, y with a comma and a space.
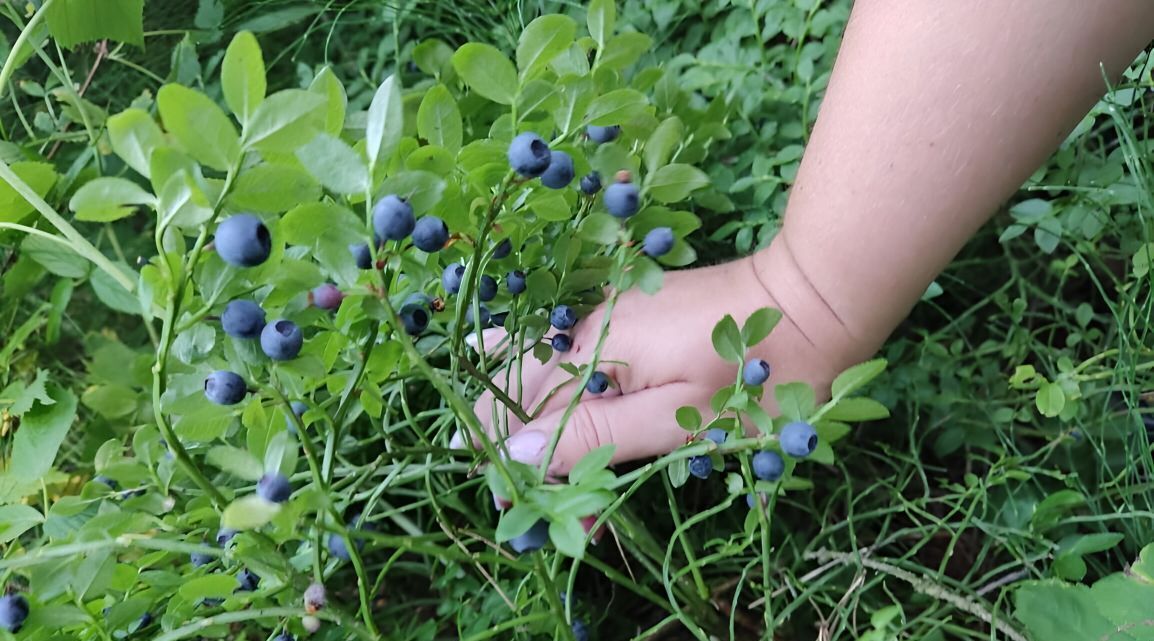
520, 380
641, 424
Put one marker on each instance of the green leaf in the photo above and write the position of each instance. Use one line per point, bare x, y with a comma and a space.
576, 94
58, 259
328, 85
857, 377
600, 228
759, 325
1050, 399
432, 55
664, 139
542, 40
237, 462
385, 125
242, 76
601, 19
678, 472
16, 520
213, 586
304, 224
568, 536
106, 199
134, 135
516, 521
42, 431
1052, 508
592, 462
40, 176
727, 340
795, 401
1057, 612
199, 125
487, 72
72, 22
286, 120
688, 417
335, 164
439, 119
616, 107
249, 513
624, 49
273, 188
110, 401
647, 274
422, 189
675, 182
857, 408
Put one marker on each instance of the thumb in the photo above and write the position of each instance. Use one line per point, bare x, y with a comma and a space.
640, 424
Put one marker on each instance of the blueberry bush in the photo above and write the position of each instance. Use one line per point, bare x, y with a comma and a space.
242, 265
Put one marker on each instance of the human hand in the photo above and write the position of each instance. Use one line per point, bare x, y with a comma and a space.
659, 354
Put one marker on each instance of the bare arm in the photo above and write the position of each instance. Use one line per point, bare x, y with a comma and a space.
935, 113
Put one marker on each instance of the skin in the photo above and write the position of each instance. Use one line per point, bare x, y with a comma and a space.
935, 114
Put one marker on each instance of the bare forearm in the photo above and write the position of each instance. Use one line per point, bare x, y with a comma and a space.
936, 112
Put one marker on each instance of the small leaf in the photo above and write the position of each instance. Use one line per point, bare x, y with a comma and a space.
673, 183
647, 274
487, 72
106, 199
1050, 399
285, 120
273, 188
592, 462
328, 85
40, 176
439, 119
664, 139
242, 76
678, 472
385, 122
601, 19
213, 586
541, 41
759, 325
727, 340
857, 377
688, 417
516, 521
134, 135
72, 22
1048, 512
616, 107
568, 536
796, 401
335, 164
249, 513
199, 125
600, 228
16, 520
857, 408
237, 462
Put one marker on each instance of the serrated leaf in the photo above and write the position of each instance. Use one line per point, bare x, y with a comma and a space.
42, 431
487, 72
857, 377
199, 125
242, 75
335, 164
106, 199
795, 401
673, 183
385, 123
541, 41
249, 513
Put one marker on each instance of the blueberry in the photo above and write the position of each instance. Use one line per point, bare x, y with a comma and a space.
590, 184
284, 636
529, 155
242, 241
601, 135
622, 199
560, 171
503, 249
485, 317
487, 288
393, 218
515, 281
200, 558
107, 481
598, 383
534, 539
281, 340
274, 488
211, 602
362, 255
580, 632
451, 278
561, 342
751, 498
700, 466
248, 581
563, 317
225, 388
756, 372
657, 242
717, 435
224, 536
299, 408
144, 621
768, 465
327, 296
336, 543
798, 439
415, 318
242, 319
13, 612
418, 299
499, 318
430, 234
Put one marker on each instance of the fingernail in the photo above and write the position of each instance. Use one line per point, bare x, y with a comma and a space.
471, 340
527, 447
458, 441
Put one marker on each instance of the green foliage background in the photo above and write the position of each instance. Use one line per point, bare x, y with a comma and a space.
1008, 495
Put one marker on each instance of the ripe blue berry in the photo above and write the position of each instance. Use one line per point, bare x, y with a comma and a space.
487, 288
281, 340
13, 612
602, 135
200, 558
529, 155
503, 249
224, 388
485, 317
717, 435
430, 234
560, 171
144, 621
598, 383
327, 296
622, 199
211, 602
700, 466
580, 632
561, 342
534, 539
798, 439
420, 300
590, 184
113, 485
393, 218
499, 319
284, 636
242, 319
362, 256
299, 408
657, 242
756, 372
415, 318
768, 465
248, 581
451, 278
563, 317
242, 241
515, 281
336, 543
274, 488
224, 536
752, 498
